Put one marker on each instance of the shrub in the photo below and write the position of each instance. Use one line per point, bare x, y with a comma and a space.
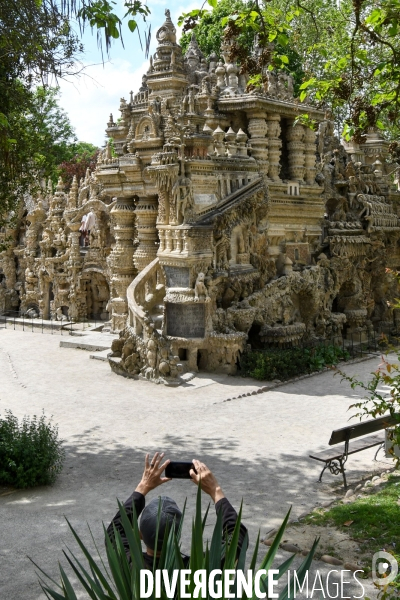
291, 362
382, 397
120, 581
30, 451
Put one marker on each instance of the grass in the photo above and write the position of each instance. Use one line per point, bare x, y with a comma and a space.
376, 521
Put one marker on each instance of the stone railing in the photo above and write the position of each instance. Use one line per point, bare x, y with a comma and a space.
141, 98
235, 197
145, 292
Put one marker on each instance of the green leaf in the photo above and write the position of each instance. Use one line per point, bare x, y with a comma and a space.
3, 120
213, 3
374, 17
307, 84
283, 40
132, 25
216, 544
67, 585
342, 63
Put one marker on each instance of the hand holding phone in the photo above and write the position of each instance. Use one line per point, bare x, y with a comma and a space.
179, 470
204, 477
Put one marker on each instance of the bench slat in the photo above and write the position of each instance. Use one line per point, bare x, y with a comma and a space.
357, 446
354, 431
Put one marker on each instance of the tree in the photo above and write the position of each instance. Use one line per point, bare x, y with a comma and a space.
48, 132
38, 47
209, 29
349, 52
36, 44
42, 139
84, 156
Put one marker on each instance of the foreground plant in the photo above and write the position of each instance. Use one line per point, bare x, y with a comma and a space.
120, 578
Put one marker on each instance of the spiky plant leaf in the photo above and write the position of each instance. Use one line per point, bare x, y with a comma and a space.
121, 581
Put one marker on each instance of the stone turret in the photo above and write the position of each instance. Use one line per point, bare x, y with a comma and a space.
165, 76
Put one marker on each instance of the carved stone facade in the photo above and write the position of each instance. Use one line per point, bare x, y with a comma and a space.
220, 221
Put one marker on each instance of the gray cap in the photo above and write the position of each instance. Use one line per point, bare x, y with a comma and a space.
169, 512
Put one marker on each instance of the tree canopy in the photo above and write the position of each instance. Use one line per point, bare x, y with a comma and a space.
346, 53
83, 156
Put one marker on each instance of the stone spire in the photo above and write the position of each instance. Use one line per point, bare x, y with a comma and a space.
193, 49
167, 32
165, 76
73, 193
60, 185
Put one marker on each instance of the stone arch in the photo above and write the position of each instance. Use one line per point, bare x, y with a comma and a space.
145, 128
97, 291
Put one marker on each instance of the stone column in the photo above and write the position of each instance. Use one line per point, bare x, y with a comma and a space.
75, 253
258, 142
274, 146
310, 155
74, 265
146, 216
296, 147
121, 260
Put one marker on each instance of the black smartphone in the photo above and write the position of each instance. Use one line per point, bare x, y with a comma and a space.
179, 470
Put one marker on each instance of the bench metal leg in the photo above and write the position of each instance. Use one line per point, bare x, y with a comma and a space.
322, 472
335, 466
343, 471
381, 447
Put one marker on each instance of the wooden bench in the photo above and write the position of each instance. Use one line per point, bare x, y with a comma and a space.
335, 458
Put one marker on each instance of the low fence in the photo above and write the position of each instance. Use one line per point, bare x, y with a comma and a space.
355, 343
20, 322
283, 363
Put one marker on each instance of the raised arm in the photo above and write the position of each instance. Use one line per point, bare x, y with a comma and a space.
151, 479
209, 484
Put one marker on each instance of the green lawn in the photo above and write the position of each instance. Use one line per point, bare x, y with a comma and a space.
376, 520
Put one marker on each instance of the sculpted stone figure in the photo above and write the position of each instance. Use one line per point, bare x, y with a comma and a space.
325, 131
183, 195
271, 88
200, 290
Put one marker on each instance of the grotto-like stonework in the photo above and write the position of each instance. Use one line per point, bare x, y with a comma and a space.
219, 221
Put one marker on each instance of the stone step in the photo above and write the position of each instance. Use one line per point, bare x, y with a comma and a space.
102, 355
188, 376
93, 343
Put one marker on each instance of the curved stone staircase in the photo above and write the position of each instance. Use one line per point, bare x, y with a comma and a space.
145, 299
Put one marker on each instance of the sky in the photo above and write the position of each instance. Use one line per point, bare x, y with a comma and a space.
90, 97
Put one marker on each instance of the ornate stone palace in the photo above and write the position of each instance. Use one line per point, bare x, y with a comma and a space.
218, 220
